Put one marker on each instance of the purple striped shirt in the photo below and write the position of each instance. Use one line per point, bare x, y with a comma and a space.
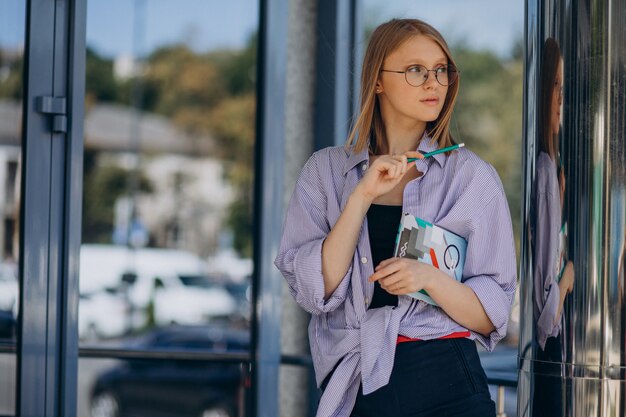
461, 193
546, 253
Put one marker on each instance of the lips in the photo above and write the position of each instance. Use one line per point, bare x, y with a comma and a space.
430, 101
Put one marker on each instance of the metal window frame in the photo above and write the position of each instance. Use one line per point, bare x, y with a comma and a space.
268, 192
47, 348
338, 57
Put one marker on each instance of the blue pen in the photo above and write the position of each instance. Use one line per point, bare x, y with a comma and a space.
442, 150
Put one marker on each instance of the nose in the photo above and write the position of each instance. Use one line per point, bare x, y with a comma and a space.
431, 80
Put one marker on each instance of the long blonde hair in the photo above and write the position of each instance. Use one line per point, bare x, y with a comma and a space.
385, 39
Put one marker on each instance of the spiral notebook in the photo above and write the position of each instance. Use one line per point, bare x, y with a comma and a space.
433, 245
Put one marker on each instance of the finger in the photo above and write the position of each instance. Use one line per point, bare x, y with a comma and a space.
399, 168
383, 272
402, 159
414, 154
398, 289
391, 281
405, 164
385, 262
394, 170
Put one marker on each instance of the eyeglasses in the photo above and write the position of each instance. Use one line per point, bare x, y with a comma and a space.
417, 75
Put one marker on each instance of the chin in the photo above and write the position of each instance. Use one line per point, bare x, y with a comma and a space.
429, 117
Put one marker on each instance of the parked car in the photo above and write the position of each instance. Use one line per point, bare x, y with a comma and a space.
8, 325
143, 387
155, 278
8, 286
102, 314
177, 302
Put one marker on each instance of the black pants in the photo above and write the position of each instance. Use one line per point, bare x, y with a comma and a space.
548, 386
437, 378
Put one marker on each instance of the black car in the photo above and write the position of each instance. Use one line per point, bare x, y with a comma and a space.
7, 325
195, 388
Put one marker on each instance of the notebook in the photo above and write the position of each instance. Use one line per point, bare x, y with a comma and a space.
433, 245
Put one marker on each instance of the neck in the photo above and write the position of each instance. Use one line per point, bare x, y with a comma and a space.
403, 133
400, 140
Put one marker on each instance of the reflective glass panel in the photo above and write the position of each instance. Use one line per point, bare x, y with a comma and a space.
12, 35
168, 176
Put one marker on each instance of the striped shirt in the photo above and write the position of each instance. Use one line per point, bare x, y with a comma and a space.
548, 221
461, 193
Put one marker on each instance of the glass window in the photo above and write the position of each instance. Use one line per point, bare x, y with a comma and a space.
166, 255
12, 35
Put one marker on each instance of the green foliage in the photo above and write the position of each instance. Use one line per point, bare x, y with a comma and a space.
11, 80
99, 80
488, 116
103, 185
213, 95
208, 95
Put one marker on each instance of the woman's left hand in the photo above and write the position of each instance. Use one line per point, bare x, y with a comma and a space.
400, 276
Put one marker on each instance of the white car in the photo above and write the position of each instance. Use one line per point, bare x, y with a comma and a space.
177, 302
155, 278
102, 315
8, 287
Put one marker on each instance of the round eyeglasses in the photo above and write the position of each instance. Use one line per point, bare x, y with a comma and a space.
417, 75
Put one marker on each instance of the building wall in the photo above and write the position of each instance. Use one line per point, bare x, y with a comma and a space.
298, 147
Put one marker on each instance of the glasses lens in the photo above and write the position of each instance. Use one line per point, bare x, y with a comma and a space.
447, 75
416, 75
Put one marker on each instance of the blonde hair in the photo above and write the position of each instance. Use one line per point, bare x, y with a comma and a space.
385, 39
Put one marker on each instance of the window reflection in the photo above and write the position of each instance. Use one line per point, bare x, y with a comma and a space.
167, 198
169, 133
168, 387
12, 32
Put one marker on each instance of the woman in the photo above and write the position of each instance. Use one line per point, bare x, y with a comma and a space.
553, 274
376, 350
554, 277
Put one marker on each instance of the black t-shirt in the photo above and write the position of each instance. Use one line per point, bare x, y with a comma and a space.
382, 224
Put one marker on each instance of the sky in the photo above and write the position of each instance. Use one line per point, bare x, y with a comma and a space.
211, 24
484, 24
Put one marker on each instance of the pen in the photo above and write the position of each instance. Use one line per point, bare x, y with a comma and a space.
449, 148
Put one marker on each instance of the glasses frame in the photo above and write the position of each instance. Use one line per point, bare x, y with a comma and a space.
428, 71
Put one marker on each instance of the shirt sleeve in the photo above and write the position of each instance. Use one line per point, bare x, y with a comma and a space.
299, 256
546, 288
490, 266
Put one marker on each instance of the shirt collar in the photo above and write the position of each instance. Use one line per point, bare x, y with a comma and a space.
355, 158
427, 145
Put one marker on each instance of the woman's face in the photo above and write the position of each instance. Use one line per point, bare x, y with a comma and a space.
398, 99
557, 100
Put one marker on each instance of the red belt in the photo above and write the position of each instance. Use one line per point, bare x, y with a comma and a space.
455, 335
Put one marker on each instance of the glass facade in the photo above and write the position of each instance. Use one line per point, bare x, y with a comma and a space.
158, 306
166, 253
12, 35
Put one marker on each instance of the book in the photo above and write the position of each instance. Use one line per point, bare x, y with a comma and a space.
433, 245
561, 256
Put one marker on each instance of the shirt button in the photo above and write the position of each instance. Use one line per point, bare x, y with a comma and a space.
367, 301
364, 167
364, 260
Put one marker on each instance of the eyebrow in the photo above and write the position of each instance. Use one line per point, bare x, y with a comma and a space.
413, 61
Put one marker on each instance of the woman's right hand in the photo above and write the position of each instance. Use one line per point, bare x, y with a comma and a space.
567, 280
384, 174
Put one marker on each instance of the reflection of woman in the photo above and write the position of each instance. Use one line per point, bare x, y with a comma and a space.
553, 275
376, 351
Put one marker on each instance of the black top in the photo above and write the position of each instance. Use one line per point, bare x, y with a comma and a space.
382, 224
